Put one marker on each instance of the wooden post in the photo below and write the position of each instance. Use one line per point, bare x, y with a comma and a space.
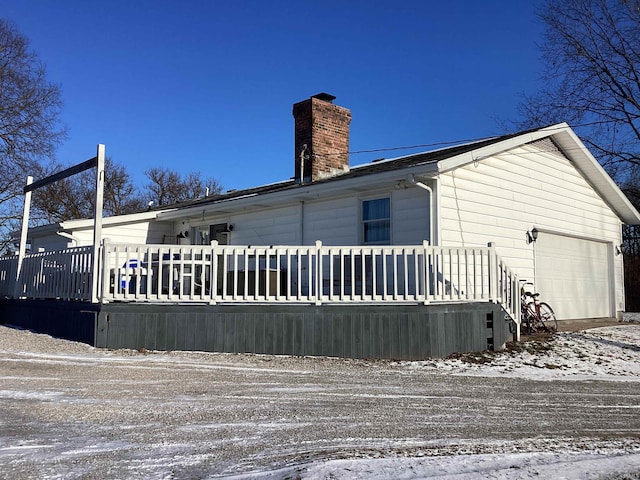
493, 272
97, 222
22, 248
318, 273
516, 305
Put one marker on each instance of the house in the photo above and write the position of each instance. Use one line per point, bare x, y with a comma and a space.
539, 198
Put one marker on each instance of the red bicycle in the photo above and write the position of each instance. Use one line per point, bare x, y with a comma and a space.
536, 316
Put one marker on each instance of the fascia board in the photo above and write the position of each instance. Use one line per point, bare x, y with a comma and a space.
334, 189
574, 149
496, 148
86, 223
599, 179
39, 231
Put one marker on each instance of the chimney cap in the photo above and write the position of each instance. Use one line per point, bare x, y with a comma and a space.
325, 97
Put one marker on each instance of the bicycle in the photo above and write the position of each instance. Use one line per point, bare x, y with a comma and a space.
536, 316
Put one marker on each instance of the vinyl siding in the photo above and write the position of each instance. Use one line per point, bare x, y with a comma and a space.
502, 197
276, 226
409, 216
334, 222
141, 232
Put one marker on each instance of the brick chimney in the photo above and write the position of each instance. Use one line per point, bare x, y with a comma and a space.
324, 128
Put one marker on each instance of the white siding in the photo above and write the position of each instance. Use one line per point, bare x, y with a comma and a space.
410, 216
140, 232
334, 221
277, 226
502, 197
338, 221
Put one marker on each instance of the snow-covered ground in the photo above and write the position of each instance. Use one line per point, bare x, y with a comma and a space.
566, 407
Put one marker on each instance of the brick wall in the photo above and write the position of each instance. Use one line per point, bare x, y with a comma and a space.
324, 128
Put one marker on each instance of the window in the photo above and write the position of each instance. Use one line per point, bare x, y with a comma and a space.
376, 221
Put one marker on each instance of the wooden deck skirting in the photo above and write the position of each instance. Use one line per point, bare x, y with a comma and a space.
402, 332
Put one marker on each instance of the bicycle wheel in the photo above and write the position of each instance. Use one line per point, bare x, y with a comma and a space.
548, 318
528, 320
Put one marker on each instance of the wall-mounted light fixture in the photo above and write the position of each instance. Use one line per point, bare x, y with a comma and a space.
532, 236
619, 249
183, 235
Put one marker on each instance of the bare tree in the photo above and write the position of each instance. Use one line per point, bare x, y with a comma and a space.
591, 54
74, 197
29, 126
168, 186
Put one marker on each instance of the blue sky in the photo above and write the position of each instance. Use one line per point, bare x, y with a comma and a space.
208, 86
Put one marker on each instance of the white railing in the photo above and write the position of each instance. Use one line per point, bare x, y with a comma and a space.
314, 274
306, 274
8, 272
64, 274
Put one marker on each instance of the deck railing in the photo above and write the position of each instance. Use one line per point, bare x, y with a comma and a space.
8, 272
306, 274
64, 274
315, 274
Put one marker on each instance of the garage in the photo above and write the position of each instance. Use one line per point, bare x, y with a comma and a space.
573, 275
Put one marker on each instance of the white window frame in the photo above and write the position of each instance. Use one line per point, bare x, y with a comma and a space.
363, 221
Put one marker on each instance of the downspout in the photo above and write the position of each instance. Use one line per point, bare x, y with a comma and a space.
433, 211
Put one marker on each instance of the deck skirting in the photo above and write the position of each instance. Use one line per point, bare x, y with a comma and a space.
404, 332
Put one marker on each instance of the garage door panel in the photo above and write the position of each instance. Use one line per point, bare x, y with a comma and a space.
572, 275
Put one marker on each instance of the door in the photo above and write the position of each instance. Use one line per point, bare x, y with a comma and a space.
573, 275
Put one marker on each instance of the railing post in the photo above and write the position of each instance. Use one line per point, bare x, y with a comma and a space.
318, 273
516, 304
213, 282
103, 268
425, 271
493, 272
97, 219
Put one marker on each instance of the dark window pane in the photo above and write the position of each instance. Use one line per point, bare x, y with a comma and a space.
377, 231
376, 209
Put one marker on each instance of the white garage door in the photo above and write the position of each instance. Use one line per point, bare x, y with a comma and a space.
572, 275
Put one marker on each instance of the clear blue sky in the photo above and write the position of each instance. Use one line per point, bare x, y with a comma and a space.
208, 85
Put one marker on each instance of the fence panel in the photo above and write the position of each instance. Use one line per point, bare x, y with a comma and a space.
64, 274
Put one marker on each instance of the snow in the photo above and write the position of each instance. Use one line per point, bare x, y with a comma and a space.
605, 354
72, 411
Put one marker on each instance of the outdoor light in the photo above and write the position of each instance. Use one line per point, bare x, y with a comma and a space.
534, 234
619, 249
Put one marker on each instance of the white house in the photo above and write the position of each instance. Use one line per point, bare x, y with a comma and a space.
552, 212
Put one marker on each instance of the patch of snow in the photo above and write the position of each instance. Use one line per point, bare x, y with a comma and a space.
605, 353
71, 411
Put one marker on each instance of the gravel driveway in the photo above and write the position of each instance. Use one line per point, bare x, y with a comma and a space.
71, 411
